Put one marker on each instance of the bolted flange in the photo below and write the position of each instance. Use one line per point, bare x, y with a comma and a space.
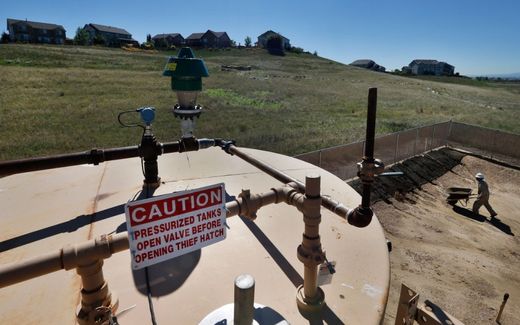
310, 306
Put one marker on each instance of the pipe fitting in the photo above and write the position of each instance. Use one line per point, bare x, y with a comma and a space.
84, 253
311, 256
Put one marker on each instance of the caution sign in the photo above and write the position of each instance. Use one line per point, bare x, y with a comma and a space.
171, 225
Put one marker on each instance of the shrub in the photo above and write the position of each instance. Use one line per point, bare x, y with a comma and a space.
297, 50
147, 46
5, 38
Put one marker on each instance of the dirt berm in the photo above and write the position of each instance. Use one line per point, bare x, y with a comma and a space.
462, 262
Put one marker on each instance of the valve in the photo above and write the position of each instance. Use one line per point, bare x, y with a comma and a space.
368, 169
149, 149
186, 74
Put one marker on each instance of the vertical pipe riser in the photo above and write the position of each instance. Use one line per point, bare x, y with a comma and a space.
244, 300
309, 297
371, 123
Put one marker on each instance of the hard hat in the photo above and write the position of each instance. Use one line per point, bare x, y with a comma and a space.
479, 176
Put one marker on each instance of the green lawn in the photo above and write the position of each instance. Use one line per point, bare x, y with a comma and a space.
58, 99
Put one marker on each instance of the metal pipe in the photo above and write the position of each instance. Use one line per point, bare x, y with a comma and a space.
311, 242
370, 142
371, 123
96, 156
326, 202
244, 306
73, 256
309, 297
86, 253
67, 258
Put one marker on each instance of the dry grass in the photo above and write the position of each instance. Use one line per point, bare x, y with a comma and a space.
57, 99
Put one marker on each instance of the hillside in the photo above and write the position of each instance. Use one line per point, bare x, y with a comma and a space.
63, 99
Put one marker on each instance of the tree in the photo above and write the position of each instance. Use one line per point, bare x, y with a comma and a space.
5, 38
148, 38
99, 40
160, 43
247, 41
82, 37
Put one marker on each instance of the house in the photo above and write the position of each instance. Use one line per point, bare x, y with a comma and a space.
368, 64
111, 36
262, 39
168, 40
194, 40
431, 67
209, 39
35, 32
215, 39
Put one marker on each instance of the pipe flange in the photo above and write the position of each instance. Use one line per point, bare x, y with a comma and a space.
310, 257
310, 307
186, 113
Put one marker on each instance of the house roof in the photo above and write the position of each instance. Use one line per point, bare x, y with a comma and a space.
110, 29
35, 24
195, 36
422, 61
217, 34
363, 62
272, 32
166, 35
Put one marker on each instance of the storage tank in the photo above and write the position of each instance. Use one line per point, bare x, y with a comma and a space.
52, 219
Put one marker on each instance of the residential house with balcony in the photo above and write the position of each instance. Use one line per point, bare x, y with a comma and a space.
168, 40
112, 36
431, 67
35, 32
263, 38
209, 39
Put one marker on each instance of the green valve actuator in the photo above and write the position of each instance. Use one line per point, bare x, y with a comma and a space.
186, 73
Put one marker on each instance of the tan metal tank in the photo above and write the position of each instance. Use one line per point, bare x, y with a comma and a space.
44, 211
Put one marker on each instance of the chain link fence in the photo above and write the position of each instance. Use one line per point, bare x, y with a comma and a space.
391, 148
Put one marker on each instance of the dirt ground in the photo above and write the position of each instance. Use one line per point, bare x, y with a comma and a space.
462, 263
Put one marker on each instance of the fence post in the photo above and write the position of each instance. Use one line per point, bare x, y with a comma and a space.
396, 147
433, 136
319, 163
415, 143
494, 143
448, 137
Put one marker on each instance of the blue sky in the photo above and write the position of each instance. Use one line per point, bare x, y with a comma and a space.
477, 37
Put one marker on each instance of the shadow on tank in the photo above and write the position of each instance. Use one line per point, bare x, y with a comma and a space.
168, 276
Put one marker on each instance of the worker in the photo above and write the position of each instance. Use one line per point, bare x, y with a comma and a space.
483, 196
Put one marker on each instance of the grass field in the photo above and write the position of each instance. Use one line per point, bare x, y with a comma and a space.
58, 99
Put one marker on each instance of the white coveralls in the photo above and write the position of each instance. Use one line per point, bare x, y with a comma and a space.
483, 198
